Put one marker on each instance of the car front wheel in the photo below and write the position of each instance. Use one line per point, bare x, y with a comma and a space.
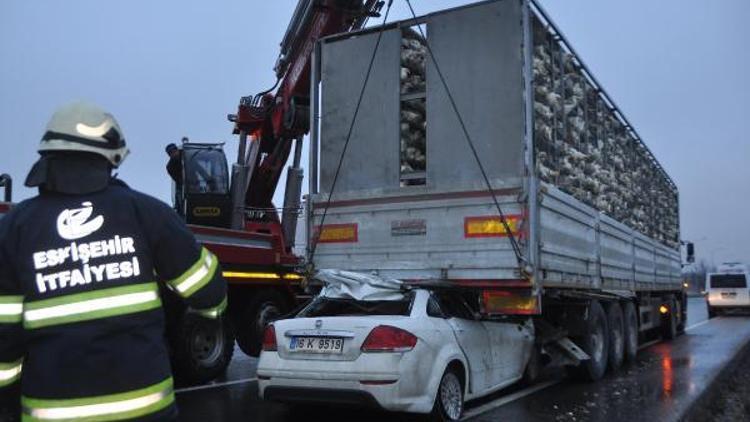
449, 403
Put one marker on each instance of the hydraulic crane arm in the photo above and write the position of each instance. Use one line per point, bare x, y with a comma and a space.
270, 122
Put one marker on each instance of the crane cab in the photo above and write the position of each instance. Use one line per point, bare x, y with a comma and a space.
204, 197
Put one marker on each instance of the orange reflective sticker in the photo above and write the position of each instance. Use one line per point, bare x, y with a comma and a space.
337, 233
490, 226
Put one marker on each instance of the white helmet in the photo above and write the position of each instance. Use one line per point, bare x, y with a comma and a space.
84, 127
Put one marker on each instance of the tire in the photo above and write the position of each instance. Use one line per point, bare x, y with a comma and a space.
595, 342
630, 321
533, 367
267, 307
669, 321
682, 303
616, 336
712, 312
449, 400
201, 348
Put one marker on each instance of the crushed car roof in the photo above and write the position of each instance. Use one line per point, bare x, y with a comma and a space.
359, 286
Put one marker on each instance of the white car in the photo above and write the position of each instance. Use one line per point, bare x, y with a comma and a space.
728, 289
411, 350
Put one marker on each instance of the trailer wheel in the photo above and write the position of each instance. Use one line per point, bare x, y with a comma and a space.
201, 348
669, 321
616, 336
595, 342
682, 304
266, 307
533, 367
630, 320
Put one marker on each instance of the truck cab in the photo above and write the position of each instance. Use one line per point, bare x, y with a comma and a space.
204, 196
727, 288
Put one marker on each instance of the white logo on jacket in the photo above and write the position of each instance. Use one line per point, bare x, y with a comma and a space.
74, 223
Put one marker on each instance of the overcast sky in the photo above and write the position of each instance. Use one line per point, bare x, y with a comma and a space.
679, 69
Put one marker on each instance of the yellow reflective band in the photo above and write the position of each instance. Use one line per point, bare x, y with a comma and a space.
196, 276
129, 405
91, 305
10, 372
11, 309
237, 274
214, 312
264, 276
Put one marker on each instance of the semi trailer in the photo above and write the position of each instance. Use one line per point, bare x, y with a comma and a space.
486, 156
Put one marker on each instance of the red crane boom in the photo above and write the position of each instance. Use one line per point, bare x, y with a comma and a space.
272, 121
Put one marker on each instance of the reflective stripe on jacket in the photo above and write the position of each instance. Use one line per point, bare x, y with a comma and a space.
131, 404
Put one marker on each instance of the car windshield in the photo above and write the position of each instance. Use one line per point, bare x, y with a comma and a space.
325, 307
728, 281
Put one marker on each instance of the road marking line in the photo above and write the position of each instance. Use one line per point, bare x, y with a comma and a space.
696, 325
216, 385
501, 401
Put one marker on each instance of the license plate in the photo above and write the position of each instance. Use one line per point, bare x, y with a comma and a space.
317, 344
728, 294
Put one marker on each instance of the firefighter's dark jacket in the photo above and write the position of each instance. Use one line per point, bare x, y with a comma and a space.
81, 322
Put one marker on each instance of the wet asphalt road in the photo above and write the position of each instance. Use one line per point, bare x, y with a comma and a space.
664, 380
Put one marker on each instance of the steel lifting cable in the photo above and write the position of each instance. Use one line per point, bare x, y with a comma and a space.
351, 130
503, 220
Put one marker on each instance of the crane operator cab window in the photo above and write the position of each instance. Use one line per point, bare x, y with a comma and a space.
206, 185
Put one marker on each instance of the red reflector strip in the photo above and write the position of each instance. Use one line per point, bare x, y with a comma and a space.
379, 382
491, 226
337, 233
507, 302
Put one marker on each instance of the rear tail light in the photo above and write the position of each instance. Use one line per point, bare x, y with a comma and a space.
269, 339
385, 338
511, 302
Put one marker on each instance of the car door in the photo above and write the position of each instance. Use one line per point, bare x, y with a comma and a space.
511, 343
473, 339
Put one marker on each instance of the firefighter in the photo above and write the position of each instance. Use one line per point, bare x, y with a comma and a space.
81, 320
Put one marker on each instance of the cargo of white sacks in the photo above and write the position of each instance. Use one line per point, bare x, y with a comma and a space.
588, 202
